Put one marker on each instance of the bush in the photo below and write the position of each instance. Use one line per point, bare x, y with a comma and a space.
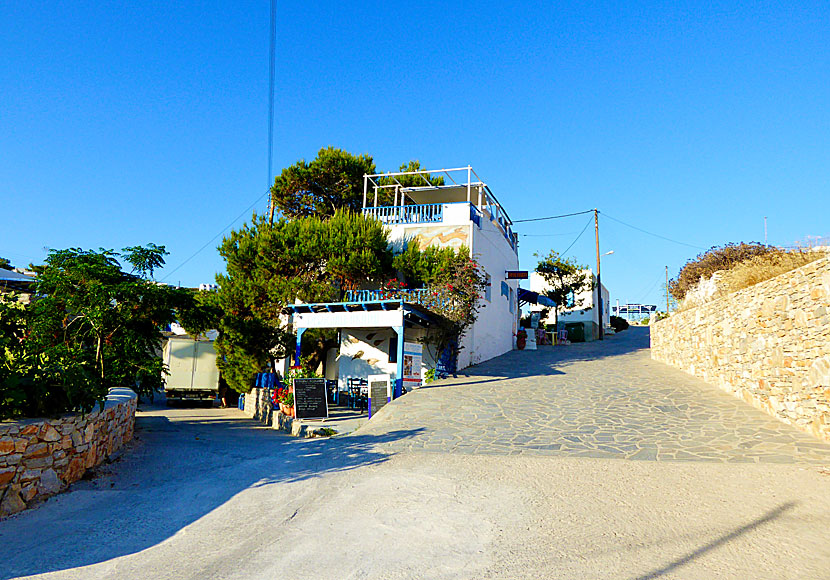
766, 266
91, 327
716, 258
618, 323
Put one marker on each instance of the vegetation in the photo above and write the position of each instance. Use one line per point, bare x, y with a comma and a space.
715, 259
312, 259
334, 181
567, 280
765, 266
618, 323
93, 326
5, 264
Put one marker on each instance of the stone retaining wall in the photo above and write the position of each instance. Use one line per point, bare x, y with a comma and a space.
40, 457
258, 404
768, 345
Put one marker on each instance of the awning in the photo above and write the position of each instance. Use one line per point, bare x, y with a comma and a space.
529, 297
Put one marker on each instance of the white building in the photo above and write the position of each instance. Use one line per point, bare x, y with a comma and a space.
586, 308
463, 212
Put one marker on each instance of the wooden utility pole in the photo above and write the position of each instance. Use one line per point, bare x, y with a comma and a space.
667, 290
599, 276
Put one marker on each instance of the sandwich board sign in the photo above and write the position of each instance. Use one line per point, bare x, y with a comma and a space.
380, 392
310, 399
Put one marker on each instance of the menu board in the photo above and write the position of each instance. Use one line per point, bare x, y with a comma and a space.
310, 399
380, 392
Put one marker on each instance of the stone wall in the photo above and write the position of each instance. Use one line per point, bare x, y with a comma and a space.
258, 404
768, 345
40, 457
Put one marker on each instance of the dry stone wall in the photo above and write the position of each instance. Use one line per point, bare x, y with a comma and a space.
768, 344
40, 457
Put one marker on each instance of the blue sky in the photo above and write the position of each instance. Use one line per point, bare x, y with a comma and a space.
148, 123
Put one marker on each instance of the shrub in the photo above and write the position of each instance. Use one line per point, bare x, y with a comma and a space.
716, 258
91, 327
618, 323
765, 266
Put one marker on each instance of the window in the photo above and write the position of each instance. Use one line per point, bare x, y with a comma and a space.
487, 287
570, 300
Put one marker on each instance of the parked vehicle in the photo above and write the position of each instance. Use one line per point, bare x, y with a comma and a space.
192, 366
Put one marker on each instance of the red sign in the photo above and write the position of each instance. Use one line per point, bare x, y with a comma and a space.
516, 274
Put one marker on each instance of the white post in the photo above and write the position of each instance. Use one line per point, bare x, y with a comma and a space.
365, 187
469, 178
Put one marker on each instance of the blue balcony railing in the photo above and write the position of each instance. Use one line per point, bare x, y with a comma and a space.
421, 296
407, 214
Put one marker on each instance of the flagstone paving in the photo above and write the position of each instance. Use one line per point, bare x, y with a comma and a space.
603, 399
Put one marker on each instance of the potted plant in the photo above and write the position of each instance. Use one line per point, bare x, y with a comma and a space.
521, 339
285, 399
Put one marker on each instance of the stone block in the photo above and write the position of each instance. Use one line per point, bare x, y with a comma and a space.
7, 474
50, 484
36, 450
39, 462
12, 459
28, 492
49, 433
29, 475
11, 504
30, 429
75, 470
6, 445
20, 445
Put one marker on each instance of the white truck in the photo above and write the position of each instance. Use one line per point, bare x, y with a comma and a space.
192, 366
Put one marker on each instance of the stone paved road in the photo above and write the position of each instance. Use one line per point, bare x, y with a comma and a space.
592, 400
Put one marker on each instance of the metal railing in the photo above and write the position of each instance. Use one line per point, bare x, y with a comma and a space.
421, 296
407, 214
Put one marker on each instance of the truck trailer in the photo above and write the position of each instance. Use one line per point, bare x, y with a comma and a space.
191, 363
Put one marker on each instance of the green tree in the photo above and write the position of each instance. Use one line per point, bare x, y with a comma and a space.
5, 264
567, 280
93, 326
312, 259
422, 180
331, 181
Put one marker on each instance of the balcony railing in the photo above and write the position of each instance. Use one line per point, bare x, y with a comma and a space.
407, 214
421, 296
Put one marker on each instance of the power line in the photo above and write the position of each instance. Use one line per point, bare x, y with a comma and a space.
211, 240
271, 82
553, 217
563, 254
651, 233
546, 235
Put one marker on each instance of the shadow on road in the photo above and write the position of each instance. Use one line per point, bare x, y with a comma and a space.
718, 542
174, 473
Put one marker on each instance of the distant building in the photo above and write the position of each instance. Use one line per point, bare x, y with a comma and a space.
21, 284
634, 312
586, 309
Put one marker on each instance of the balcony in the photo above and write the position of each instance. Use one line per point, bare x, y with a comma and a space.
424, 297
427, 213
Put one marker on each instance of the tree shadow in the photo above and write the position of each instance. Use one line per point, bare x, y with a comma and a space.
720, 541
172, 474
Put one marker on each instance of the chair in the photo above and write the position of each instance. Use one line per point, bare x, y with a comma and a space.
358, 393
563, 337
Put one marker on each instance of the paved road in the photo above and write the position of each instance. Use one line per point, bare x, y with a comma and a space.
479, 477
601, 399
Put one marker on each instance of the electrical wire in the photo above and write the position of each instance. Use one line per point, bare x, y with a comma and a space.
211, 240
651, 233
546, 235
563, 254
553, 217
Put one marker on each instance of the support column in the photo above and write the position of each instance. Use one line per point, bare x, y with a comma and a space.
297, 354
399, 372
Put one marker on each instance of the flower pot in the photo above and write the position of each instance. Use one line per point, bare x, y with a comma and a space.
286, 410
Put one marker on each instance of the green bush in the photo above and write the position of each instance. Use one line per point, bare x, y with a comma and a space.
91, 327
618, 324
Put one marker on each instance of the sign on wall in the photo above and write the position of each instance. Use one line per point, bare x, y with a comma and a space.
380, 392
412, 355
310, 399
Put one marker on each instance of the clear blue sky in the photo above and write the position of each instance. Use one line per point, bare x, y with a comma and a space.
122, 125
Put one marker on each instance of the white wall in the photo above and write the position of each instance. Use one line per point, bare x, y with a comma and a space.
492, 333
587, 300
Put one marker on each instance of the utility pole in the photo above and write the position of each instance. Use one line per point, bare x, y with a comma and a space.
667, 290
765, 230
599, 277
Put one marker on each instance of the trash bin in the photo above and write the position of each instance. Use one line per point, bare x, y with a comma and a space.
576, 331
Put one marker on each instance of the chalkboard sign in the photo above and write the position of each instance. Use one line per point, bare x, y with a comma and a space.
379, 392
310, 399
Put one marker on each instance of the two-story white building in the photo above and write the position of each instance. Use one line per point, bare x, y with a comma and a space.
461, 212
